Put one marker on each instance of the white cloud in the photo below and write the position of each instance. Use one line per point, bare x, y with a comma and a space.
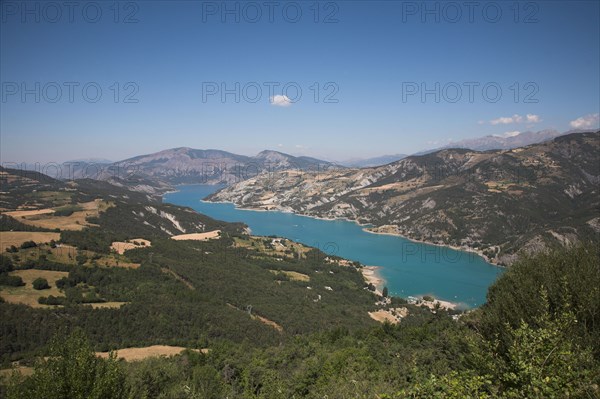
280, 101
505, 120
516, 118
584, 122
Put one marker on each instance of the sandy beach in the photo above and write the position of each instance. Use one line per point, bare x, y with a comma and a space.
371, 276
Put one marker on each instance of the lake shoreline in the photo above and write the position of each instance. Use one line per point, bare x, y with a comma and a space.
367, 227
454, 247
291, 212
370, 274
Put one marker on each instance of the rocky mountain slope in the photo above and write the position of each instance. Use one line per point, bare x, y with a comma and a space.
495, 202
192, 166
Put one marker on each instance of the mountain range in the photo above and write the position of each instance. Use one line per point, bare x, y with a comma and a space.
495, 202
160, 171
375, 161
504, 141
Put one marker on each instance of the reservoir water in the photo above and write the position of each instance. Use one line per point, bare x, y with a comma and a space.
409, 268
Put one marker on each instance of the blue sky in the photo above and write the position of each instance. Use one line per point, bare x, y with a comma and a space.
373, 59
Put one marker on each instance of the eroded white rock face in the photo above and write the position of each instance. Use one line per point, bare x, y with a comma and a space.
173, 220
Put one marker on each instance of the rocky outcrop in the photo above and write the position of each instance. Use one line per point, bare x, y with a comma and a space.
494, 202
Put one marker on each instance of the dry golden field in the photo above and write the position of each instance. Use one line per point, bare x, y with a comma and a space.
26, 294
137, 354
120, 246
198, 236
16, 238
45, 218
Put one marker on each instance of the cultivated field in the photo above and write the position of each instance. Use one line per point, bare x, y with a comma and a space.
16, 238
29, 213
137, 354
26, 295
46, 218
121, 246
68, 254
198, 236
273, 246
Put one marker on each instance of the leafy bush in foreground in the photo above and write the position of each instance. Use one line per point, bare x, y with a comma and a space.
72, 371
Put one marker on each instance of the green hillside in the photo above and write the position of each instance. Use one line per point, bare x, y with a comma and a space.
262, 319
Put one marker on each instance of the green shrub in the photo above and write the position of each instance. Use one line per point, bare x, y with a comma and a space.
6, 264
72, 370
28, 244
11, 281
51, 300
40, 284
12, 249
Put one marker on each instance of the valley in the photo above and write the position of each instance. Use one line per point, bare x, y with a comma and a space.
299, 200
405, 267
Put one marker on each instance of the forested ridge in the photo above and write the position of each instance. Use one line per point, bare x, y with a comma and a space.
269, 335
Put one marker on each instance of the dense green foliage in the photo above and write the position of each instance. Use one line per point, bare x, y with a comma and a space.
570, 282
72, 371
546, 354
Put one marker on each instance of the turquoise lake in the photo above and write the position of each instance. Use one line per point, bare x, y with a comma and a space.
409, 268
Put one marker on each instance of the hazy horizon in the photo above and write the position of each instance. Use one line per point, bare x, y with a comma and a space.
20, 163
